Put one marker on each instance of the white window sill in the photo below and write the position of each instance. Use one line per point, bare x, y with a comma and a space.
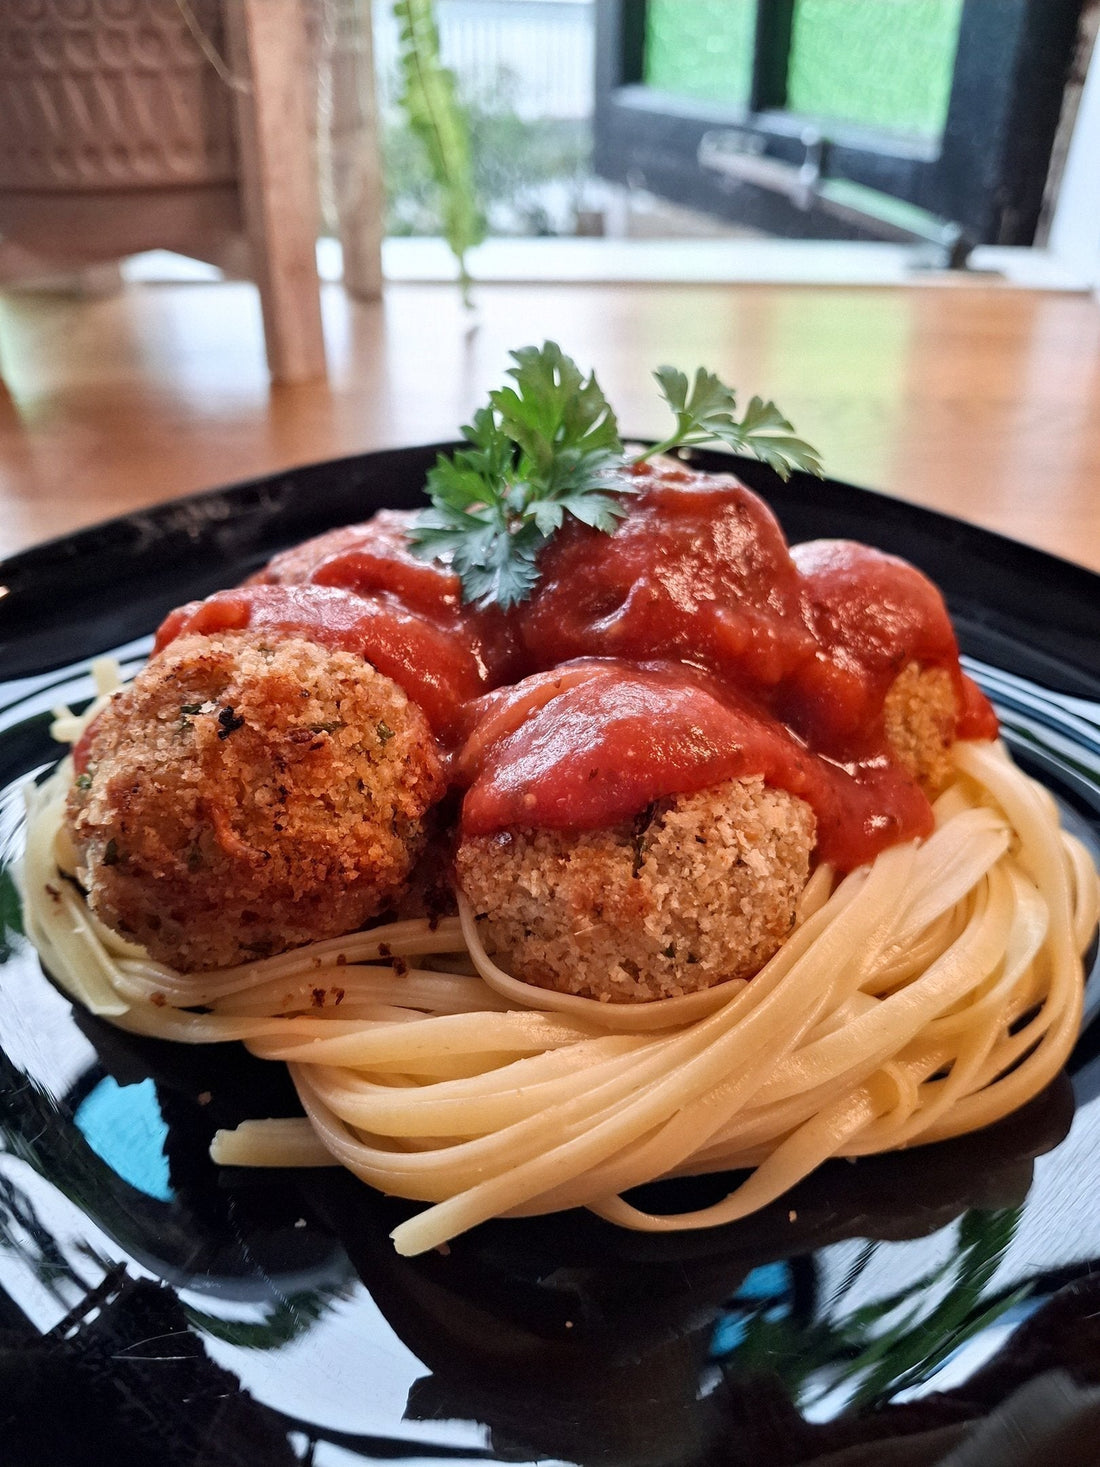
718, 262
677, 262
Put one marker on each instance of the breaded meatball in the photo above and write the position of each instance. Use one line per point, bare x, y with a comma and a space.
920, 714
241, 798
701, 888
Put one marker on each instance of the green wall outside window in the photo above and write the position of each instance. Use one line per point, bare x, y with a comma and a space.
881, 63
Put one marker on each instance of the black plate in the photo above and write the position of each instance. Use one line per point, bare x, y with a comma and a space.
188, 1315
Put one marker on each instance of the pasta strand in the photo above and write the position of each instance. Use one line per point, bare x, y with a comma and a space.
926, 995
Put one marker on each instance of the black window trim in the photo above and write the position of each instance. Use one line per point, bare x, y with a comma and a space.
987, 172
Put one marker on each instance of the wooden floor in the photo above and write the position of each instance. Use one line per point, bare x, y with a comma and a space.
981, 401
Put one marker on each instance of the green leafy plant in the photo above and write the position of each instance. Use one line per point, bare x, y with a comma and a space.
548, 447
430, 102
521, 166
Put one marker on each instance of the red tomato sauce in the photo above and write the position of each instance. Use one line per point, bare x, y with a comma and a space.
698, 570
616, 737
374, 559
441, 665
690, 647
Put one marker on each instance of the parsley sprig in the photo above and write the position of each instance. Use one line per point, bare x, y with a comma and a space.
708, 413
542, 449
548, 446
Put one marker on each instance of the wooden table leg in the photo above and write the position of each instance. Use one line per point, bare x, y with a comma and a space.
269, 52
357, 187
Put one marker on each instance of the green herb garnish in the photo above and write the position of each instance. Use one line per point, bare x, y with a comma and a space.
707, 413
542, 450
548, 447
83, 781
385, 733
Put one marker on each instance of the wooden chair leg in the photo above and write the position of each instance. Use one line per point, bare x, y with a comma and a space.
356, 163
269, 53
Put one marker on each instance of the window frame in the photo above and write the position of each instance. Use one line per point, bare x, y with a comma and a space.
986, 173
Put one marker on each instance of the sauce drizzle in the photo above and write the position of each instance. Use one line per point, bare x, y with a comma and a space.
690, 647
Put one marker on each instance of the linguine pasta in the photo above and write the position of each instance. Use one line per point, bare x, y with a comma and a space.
925, 995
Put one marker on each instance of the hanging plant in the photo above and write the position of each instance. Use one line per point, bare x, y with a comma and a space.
430, 102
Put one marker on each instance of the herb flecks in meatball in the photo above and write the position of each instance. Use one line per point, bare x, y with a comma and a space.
241, 798
702, 888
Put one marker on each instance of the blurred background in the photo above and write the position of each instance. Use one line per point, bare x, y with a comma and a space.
388, 196
946, 124
807, 119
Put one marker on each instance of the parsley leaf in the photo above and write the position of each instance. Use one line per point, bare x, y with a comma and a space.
547, 448
542, 450
766, 433
708, 411
552, 410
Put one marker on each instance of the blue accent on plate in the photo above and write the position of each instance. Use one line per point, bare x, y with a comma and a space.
124, 1126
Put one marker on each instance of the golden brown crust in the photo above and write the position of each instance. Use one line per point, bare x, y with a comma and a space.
704, 890
241, 799
920, 714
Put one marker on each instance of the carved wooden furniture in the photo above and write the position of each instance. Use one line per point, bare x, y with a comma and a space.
190, 125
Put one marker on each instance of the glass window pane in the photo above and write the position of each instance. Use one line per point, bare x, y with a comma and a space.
701, 48
882, 63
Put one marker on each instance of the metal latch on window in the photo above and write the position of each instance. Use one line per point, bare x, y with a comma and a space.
738, 154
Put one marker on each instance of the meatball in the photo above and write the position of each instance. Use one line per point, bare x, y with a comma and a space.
241, 798
702, 888
920, 713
